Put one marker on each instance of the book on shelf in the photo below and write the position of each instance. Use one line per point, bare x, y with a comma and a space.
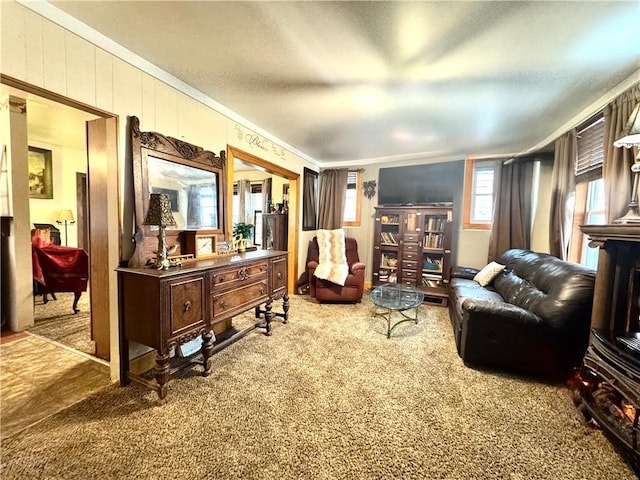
433, 240
436, 223
431, 276
390, 238
390, 219
430, 282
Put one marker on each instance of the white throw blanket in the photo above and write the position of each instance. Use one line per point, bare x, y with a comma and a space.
332, 259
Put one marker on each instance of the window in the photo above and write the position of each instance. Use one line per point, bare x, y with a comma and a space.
478, 194
352, 202
589, 197
590, 145
594, 215
256, 201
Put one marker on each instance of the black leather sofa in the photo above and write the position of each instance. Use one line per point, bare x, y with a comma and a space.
534, 318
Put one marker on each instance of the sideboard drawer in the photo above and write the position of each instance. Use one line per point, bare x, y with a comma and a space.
187, 304
226, 278
236, 300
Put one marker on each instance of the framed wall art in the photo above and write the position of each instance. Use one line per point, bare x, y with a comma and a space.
40, 173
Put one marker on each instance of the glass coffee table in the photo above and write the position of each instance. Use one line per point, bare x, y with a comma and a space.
391, 298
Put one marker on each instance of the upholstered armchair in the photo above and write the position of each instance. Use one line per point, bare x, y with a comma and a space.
328, 292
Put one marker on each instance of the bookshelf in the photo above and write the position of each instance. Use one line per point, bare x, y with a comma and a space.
412, 245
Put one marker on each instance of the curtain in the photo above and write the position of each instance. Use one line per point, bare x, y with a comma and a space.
511, 226
267, 199
616, 169
563, 191
333, 193
245, 211
194, 208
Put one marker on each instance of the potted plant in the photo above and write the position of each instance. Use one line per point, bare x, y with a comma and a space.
242, 234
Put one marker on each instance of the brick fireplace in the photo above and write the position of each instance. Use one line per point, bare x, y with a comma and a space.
609, 387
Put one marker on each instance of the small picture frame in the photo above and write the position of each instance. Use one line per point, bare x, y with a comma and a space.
40, 173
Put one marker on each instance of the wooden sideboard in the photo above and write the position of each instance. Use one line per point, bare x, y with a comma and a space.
163, 309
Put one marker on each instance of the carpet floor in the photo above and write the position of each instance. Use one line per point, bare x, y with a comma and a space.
56, 321
328, 396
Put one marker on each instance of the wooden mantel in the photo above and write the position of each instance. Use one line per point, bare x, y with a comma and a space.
617, 290
603, 233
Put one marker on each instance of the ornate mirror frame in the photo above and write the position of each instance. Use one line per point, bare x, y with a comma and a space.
161, 147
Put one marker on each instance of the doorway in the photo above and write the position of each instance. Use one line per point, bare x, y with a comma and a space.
76, 134
293, 178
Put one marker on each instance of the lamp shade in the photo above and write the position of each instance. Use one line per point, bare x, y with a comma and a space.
159, 212
65, 215
630, 135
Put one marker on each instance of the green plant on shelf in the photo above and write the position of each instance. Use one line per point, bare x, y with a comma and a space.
243, 229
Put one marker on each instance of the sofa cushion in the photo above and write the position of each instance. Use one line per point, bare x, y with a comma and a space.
558, 291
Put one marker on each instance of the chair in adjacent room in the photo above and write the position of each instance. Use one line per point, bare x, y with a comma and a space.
326, 291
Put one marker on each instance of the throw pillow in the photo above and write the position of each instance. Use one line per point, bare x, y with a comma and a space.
485, 276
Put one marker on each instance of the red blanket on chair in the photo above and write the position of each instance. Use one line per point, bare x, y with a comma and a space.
61, 269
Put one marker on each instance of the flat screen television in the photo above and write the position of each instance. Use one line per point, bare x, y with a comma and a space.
427, 184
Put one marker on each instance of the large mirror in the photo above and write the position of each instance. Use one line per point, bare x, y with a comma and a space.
192, 178
193, 193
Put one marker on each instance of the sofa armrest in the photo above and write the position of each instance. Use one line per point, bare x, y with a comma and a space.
464, 272
357, 267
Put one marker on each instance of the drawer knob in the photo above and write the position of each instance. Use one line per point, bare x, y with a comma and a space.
279, 275
222, 304
187, 306
261, 290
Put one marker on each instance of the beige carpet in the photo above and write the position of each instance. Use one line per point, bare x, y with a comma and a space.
326, 397
55, 320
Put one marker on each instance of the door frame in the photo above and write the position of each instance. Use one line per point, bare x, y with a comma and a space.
294, 204
97, 237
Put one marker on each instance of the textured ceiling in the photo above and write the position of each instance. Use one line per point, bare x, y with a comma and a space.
359, 81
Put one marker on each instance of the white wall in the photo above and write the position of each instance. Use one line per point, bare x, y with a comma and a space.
66, 162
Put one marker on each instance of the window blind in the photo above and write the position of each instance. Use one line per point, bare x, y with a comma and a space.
352, 179
590, 147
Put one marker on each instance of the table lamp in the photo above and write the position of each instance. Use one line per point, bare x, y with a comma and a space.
159, 214
66, 217
629, 138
